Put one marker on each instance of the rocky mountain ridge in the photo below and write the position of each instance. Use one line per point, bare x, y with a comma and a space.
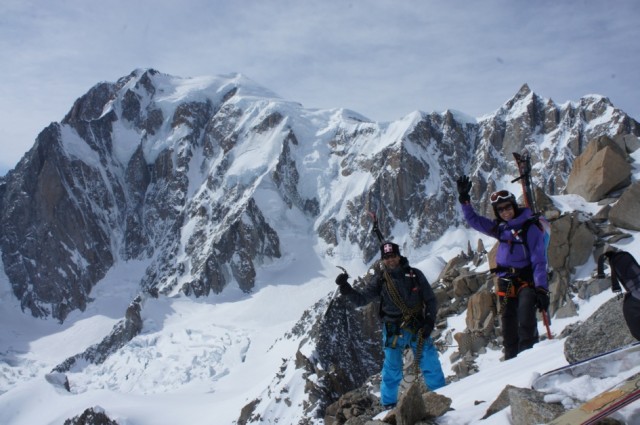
208, 178
153, 166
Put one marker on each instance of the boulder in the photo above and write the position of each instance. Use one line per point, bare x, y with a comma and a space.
600, 169
603, 331
481, 310
571, 242
92, 416
528, 407
411, 408
624, 213
436, 404
467, 284
351, 405
628, 142
501, 402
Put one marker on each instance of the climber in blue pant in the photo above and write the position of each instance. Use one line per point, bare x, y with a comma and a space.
408, 308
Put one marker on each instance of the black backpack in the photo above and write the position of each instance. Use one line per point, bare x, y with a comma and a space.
625, 270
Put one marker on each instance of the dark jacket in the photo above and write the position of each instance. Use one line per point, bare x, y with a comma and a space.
413, 288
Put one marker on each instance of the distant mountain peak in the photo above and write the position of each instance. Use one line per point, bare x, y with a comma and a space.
521, 100
207, 177
524, 91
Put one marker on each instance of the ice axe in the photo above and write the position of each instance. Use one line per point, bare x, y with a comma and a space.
335, 293
375, 229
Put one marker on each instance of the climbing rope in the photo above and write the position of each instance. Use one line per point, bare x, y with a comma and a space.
416, 362
409, 316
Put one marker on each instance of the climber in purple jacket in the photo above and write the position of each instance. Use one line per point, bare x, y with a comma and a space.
521, 265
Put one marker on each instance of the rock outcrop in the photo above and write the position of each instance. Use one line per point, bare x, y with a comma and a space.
602, 168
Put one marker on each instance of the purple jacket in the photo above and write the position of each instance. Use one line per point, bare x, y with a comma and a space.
511, 251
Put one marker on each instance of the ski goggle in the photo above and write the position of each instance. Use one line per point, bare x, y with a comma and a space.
501, 195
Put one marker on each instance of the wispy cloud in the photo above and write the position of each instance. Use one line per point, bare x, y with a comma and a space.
381, 58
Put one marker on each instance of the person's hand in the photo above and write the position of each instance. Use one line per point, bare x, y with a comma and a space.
427, 328
542, 299
464, 187
342, 279
343, 284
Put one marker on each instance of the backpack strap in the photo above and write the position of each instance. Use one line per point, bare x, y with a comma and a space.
524, 230
615, 282
601, 259
520, 235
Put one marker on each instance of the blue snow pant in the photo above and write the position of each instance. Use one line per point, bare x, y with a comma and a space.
392, 366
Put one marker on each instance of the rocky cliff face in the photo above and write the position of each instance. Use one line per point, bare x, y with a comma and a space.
199, 174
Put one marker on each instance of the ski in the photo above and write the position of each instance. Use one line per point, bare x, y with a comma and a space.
523, 162
602, 365
604, 404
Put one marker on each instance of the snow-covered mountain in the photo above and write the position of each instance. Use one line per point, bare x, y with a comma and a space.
208, 176
183, 226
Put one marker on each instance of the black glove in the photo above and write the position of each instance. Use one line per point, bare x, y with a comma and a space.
427, 328
343, 284
464, 186
342, 279
542, 299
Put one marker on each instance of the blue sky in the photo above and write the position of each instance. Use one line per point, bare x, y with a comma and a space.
381, 58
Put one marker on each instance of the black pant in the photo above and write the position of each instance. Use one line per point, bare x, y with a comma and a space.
631, 311
519, 322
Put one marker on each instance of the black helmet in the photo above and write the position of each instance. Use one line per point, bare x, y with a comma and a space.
389, 248
500, 197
